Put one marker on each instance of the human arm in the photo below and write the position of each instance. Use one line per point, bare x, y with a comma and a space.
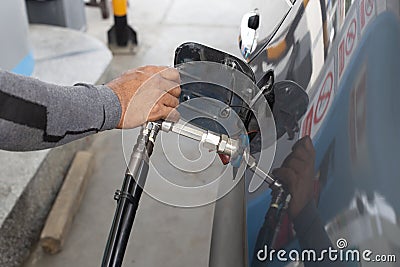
36, 115
297, 173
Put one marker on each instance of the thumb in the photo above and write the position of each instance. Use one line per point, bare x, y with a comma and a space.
287, 177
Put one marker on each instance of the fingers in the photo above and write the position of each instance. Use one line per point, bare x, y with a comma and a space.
176, 91
303, 150
162, 85
165, 109
286, 176
147, 93
297, 174
171, 74
294, 163
154, 72
150, 69
167, 73
301, 160
306, 144
165, 113
169, 81
173, 114
169, 100
302, 154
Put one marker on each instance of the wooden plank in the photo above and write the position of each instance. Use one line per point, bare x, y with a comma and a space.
67, 203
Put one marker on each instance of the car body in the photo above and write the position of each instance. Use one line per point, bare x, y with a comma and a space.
345, 55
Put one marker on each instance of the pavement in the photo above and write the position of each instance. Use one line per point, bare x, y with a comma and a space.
163, 235
29, 181
64, 65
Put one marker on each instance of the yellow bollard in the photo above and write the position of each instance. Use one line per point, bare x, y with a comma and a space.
121, 33
120, 7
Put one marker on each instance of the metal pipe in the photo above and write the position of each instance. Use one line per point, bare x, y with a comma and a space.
129, 196
221, 143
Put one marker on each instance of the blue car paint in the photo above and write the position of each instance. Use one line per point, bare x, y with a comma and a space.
378, 49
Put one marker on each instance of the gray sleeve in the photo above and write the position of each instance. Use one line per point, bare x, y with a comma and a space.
36, 115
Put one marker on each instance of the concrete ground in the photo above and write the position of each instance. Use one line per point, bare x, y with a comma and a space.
163, 235
29, 181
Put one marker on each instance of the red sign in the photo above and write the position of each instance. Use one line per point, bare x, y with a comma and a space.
308, 122
369, 7
324, 98
351, 37
341, 58
320, 105
347, 44
366, 12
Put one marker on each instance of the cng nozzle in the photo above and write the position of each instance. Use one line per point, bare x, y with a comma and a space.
230, 150
220, 143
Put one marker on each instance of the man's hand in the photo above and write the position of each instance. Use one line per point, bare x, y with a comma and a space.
297, 173
147, 94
